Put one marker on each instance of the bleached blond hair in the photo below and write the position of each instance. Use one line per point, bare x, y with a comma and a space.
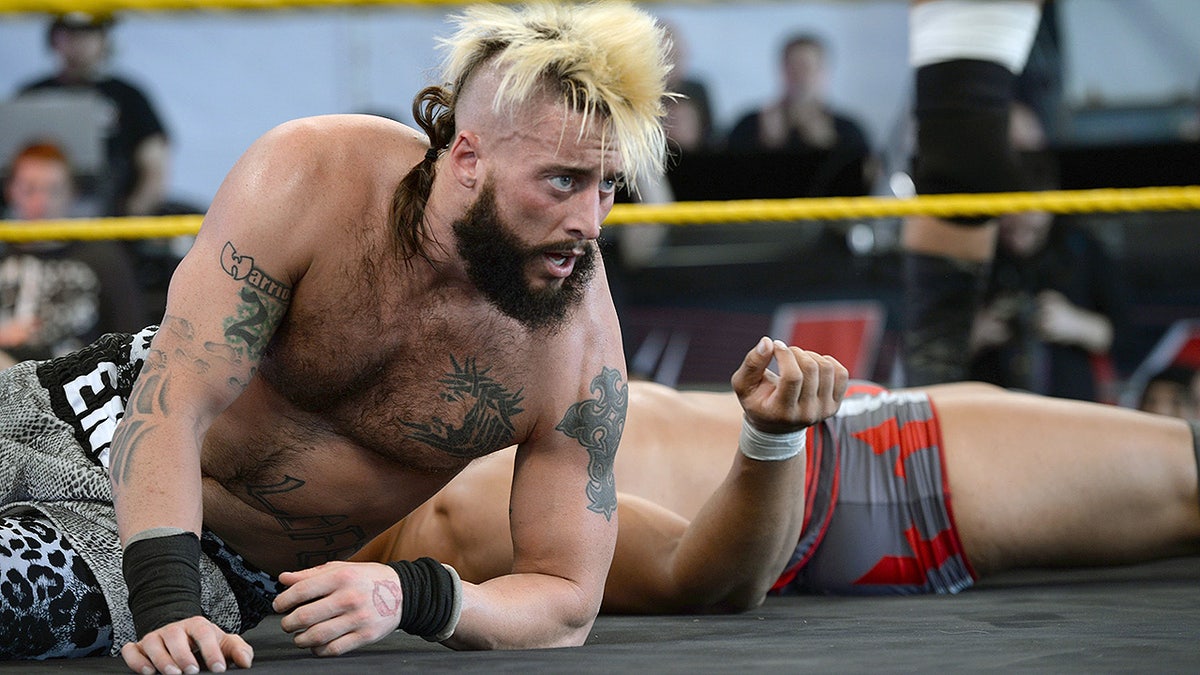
607, 60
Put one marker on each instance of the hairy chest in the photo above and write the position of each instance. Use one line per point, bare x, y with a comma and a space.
432, 389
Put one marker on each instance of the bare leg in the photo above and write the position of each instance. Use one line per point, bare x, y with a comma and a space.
1037, 481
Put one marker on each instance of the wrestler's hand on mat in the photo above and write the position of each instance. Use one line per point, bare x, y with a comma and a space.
339, 606
173, 649
807, 388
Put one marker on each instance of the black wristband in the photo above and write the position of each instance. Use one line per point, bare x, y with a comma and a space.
432, 598
163, 577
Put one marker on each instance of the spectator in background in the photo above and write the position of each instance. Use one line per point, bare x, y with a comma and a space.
689, 121
1051, 306
58, 296
1168, 392
689, 128
801, 119
137, 150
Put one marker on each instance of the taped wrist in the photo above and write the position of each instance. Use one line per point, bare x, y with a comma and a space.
432, 598
767, 447
163, 577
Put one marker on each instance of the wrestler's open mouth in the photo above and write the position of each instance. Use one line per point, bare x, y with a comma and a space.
561, 263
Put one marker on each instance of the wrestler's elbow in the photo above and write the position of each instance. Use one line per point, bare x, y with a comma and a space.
734, 598
541, 621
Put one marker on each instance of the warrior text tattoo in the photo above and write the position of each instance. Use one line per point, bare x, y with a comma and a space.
241, 267
598, 424
263, 302
486, 426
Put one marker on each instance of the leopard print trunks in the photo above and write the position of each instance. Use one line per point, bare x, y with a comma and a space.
60, 555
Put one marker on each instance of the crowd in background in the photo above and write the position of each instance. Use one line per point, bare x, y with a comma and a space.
1055, 302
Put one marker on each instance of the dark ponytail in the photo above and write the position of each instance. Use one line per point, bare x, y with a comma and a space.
433, 110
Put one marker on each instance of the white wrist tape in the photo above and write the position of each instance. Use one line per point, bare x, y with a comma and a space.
766, 447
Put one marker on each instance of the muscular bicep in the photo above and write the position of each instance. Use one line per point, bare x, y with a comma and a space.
232, 290
564, 497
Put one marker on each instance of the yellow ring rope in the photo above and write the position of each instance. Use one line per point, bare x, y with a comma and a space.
691, 213
836, 208
110, 6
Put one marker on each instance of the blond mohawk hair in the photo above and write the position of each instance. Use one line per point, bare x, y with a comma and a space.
607, 59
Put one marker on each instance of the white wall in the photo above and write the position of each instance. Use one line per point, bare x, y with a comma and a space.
220, 79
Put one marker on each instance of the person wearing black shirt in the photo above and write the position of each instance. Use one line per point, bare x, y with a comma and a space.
137, 145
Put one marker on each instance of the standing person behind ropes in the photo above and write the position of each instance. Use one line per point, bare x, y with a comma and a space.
137, 149
56, 296
1052, 307
966, 55
365, 311
897, 492
801, 119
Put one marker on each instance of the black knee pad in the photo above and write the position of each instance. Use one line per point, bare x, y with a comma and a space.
962, 110
941, 296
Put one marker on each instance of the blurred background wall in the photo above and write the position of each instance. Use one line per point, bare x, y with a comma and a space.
222, 78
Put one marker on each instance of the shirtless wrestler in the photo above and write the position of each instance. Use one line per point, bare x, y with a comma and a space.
922, 501
366, 311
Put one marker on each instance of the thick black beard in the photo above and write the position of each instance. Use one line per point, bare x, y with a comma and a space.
497, 263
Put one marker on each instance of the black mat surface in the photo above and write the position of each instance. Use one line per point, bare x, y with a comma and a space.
1143, 619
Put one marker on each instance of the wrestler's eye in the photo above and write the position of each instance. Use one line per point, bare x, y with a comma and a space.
563, 182
608, 185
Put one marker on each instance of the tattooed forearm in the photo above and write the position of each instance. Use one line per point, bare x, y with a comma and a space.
598, 424
263, 302
147, 400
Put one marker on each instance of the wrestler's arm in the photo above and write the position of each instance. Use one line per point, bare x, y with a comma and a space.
226, 299
730, 554
562, 517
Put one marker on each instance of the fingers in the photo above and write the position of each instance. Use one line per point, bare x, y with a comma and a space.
338, 607
807, 388
172, 649
304, 586
754, 366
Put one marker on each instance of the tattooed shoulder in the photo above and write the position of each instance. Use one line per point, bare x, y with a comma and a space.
597, 424
263, 302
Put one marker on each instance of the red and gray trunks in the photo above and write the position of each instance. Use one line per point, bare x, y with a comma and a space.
878, 516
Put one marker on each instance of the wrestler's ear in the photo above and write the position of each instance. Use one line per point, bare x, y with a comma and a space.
463, 158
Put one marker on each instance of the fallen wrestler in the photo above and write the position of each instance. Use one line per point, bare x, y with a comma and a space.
367, 309
911, 491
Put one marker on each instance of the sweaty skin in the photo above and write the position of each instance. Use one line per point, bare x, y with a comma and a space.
321, 388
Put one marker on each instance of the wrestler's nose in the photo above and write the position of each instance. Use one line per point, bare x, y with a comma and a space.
587, 213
